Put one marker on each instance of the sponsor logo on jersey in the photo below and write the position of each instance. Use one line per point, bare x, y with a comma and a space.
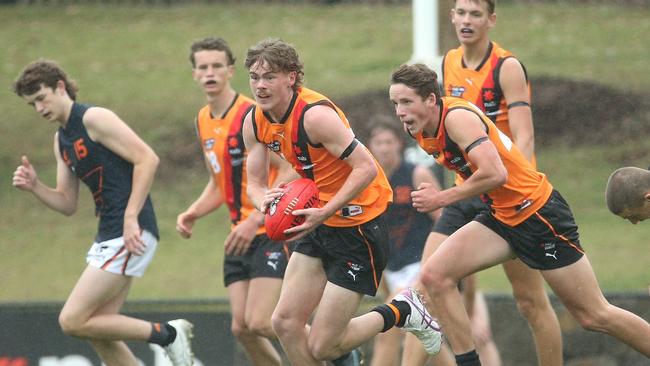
456, 91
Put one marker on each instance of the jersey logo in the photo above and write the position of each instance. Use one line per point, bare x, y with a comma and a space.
208, 143
274, 146
488, 95
457, 91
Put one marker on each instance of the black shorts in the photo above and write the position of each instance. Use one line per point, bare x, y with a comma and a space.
353, 257
458, 214
546, 240
264, 258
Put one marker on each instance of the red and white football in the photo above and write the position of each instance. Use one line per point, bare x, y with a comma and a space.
298, 194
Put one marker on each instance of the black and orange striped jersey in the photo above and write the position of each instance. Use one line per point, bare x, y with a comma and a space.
526, 189
108, 176
481, 85
222, 143
289, 139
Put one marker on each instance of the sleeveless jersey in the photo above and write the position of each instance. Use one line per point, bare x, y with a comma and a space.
222, 143
407, 228
108, 176
289, 139
481, 85
526, 189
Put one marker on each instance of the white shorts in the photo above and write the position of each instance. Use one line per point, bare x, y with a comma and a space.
112, 256
403, 278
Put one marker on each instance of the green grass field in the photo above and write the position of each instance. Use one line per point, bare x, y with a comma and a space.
138, 67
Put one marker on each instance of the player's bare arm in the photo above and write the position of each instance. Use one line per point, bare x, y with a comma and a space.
512, 79
209, 200
107, 128
465, 128
64, 197
422, 178
324, 126
257, 165
285, 171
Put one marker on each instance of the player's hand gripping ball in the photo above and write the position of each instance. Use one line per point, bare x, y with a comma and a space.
298, 194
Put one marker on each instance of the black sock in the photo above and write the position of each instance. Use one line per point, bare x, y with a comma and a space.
388, 314
394, 314
162, 334
468, 359
404, 311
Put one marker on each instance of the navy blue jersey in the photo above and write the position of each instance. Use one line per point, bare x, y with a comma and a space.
407, 228
107, 175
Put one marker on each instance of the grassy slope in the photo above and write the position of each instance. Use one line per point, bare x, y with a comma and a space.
151, 88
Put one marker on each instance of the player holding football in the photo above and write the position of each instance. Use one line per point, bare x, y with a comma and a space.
489, 76
253, 264
527, 218
95, 146
342, 245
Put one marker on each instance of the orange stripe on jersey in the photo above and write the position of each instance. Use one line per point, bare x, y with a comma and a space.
526, 189
289, 139
556, 234
372, 258
223, 146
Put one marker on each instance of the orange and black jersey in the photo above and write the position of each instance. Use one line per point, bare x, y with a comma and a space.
108, 176
289, 139
481, 85
223, 146
526, 189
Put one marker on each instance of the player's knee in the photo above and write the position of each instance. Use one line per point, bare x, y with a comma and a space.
70, 325
528, 306
435, 281
239, 329
322, 351
593, 319
283, 324
261, 327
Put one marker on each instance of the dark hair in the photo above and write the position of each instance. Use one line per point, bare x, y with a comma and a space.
280, 56
211, 44
45, 73
418, 77
491, 4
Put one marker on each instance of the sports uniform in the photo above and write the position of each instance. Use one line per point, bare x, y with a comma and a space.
481, 87
526, 211
223, 145
109, 178
352, 243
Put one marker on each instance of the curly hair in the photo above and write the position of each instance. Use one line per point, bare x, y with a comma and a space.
45, 73
279, 55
